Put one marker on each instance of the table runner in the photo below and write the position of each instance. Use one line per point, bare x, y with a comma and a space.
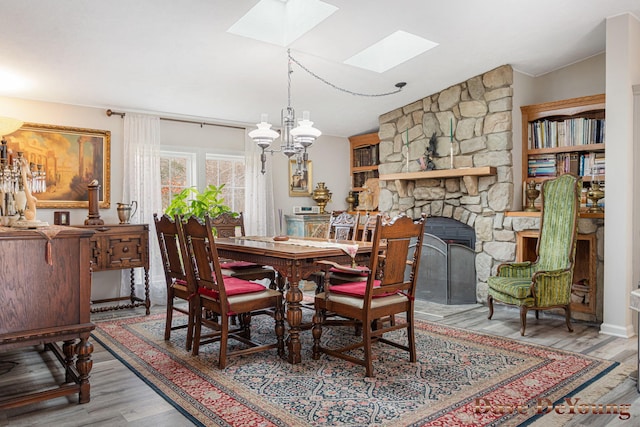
349, 249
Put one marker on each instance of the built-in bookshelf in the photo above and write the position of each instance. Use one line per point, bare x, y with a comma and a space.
565, 136
364, 160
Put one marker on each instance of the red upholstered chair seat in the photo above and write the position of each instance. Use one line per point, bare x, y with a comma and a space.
233, 286
357, 289
230, 265
363, 270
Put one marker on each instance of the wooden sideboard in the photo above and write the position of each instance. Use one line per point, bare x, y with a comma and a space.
45, 288
121, 247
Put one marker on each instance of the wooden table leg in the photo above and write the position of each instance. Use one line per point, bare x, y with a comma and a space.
294, 315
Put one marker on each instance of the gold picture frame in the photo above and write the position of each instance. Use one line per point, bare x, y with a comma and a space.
71, 157
300, 186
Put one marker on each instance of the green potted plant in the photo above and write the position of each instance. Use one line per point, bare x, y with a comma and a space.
191, 202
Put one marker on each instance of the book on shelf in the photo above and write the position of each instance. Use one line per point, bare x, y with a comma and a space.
365, 156
566, 133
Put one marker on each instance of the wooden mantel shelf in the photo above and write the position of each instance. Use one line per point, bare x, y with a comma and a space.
469, 175
440, 173
582, 214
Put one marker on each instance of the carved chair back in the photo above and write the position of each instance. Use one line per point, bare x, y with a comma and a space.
343, 226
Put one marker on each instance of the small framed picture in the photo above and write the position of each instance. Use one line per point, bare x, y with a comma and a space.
61, 217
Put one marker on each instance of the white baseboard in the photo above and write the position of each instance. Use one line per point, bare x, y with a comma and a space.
617, 331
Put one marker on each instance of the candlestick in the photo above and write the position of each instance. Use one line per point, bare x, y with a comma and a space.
451, 130
451, 155
451, 139
407, 158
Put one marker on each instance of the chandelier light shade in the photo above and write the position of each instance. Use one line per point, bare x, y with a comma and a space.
305, 134
295, 140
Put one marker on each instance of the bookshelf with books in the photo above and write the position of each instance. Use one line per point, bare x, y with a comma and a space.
564, 136
364, 160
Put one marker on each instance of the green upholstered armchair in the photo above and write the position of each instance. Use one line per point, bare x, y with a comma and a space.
546, 282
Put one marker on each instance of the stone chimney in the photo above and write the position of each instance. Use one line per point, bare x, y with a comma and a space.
474, 118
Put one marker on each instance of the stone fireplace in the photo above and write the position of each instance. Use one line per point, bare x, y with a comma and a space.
472, 122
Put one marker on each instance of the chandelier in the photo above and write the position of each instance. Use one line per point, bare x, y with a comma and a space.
295, 140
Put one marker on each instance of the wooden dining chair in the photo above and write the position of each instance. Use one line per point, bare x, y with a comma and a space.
226, 296
179, 285
231, 224
341, 226
388, 290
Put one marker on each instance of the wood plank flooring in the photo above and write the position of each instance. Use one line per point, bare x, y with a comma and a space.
119, 398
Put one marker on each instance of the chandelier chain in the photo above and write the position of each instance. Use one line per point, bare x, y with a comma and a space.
372, 95
289, 81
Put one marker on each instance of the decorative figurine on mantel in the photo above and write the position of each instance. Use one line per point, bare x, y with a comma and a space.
426, 161
94, 210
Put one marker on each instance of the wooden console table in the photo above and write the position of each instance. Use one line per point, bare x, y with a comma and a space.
120, 247
45, 287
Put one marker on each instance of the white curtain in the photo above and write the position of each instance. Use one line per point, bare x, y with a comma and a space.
259, 218
141, 182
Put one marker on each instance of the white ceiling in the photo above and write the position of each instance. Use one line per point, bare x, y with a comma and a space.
176, 58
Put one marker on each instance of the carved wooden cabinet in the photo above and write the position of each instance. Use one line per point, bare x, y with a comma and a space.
312, 225
120, 247
45, 287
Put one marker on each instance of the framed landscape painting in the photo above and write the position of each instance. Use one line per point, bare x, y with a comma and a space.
71, 158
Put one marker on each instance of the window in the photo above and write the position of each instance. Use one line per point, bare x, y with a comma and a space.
227, 170
176, 173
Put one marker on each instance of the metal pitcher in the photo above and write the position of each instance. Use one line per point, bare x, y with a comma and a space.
126, 211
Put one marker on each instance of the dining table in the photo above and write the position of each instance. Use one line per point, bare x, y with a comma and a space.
294, 259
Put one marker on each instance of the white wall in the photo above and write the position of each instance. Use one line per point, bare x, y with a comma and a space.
583, 78
580, 79
523, 94
329, 156
623, 71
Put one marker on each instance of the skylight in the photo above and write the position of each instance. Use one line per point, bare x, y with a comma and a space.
391, 51
281, 22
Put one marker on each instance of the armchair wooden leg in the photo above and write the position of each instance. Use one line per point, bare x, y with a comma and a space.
490, 303
567, 316
523, 319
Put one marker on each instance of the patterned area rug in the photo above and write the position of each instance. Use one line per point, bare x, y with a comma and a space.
456, 367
